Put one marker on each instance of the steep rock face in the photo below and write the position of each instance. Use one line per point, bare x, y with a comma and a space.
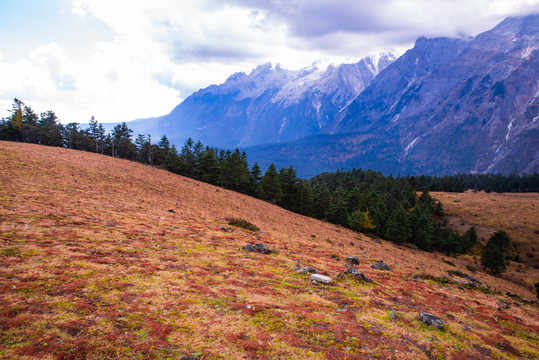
473, 108
269, 105
445, 106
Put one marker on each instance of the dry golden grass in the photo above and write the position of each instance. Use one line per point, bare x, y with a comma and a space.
517, 214
94, 265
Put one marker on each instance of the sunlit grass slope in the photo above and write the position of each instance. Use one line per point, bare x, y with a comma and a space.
102, 258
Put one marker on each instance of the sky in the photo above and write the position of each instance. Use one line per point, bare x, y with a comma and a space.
120, 60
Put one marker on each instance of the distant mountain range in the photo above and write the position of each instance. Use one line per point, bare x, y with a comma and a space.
269, 105
445, 106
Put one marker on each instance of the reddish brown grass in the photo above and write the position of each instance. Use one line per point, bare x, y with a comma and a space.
94, 266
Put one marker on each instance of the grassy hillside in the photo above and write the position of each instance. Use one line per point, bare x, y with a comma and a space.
516, 213
103, 258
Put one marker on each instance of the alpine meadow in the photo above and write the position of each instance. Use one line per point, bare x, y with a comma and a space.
295, 179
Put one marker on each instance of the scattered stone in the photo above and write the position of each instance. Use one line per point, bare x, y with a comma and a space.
467, 327
259, 248
393, 314
516, 303
315, 282
470, 283
429, 319
225, 229
262, 248
379, 265
321, 278
354, 260
357, 274
188, 358
248, 247
172, 211
308, 269
505, 304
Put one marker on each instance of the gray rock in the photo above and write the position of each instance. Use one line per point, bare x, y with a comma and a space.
473, 280
379, 265
225, 229
321, 278
308, 269
357, 274
393, 314
188, 358
429, 319
260, 248
354, 260
248, 247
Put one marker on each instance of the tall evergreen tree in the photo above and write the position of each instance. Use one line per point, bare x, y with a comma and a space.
306, 199
51, 130
290, 189
271, 186
209, 167
469, 239
235, 173
398, 228
322, 200
122, 145
422, 227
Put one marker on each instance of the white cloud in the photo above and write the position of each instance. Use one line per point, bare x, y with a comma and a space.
164, 50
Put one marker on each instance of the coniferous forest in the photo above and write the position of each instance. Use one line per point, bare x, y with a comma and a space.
399, 209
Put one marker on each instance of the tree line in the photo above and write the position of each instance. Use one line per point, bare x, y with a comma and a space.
363, 200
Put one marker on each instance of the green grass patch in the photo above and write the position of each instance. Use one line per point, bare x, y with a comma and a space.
449, 263
241, 223
11, 251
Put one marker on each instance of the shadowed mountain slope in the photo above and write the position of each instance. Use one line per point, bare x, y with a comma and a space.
445, 106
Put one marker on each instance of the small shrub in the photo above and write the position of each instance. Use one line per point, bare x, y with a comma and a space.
457, 273
537, 288
449, 263
241, 223
471, 268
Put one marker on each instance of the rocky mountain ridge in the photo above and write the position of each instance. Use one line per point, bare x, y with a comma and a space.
445, 106
268, 105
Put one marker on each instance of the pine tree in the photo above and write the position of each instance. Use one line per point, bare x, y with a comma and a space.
322, 200
469, 239
493, 259
338, 212
209, 167
173, 162
306, 199
51, 130
271, 186
235, 173
499, 240
422, 228
256, 176
122, 145
188, 159
290, 189
398, 226
361, 221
